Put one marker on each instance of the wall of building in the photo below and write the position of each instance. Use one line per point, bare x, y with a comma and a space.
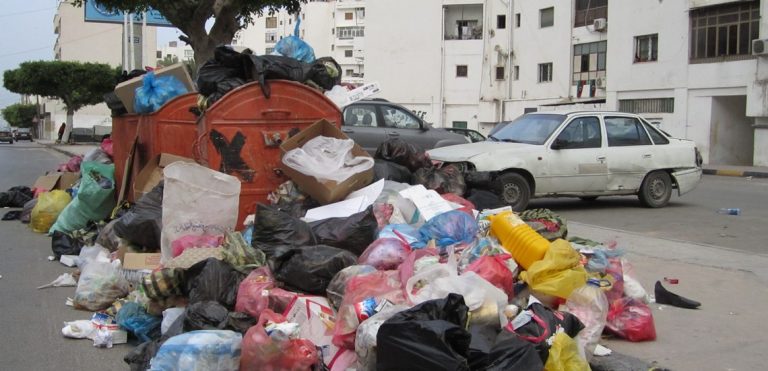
731, 131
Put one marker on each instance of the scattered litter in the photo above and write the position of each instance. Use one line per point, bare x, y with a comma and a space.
729, 211
602, 351
51, 258
63, 280
663, 296
671, 281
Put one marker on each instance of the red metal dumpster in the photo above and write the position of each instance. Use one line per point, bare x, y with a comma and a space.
171, 129
241, 134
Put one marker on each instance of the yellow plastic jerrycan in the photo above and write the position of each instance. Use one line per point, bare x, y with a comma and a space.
521, 241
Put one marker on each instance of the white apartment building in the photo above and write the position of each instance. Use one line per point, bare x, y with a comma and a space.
175, 51
82, 41
332, 28
686, 65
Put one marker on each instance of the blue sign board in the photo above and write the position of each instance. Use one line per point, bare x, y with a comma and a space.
97, 13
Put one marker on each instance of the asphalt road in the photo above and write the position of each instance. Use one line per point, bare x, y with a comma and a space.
31, 319
692, 217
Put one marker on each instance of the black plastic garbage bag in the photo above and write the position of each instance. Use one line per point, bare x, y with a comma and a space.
544, 324
353, 233
483, 199
138, 359
205, 315
310, 268
510, 352
240, 322
429, 336
388, 170
213, 279
12, 215
274, 227
323, 73
447, 179
226, 71
64, 244
142, 224
26, 212
403, 153
15, 197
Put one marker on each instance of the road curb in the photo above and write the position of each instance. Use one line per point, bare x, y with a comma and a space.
60, 150
736, 173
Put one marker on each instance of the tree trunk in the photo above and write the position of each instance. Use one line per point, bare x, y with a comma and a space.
70, 122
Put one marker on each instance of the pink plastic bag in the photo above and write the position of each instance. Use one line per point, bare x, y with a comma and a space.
261, 352
73, 165
466, 206
106, 146
356, 306
494, 270
257, 293
407, 268
188, 242
385, 254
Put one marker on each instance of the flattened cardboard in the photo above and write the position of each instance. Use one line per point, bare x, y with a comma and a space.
139, 261
126, 90
152, 173
53, 181
324, 192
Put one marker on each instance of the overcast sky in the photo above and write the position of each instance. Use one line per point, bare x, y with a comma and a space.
28, 35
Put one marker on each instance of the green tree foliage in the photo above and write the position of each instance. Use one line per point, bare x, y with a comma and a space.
20, 115
167, 61
190, 17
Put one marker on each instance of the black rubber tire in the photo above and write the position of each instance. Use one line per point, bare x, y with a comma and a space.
656, 189
514, 190
588, 198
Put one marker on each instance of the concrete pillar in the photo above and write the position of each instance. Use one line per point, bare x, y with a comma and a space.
760, 156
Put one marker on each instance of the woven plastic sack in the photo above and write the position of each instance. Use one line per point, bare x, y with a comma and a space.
49, 206
558, 273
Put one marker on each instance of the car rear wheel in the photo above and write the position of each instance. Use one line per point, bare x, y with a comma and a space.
656, 189
514, 190
588, 198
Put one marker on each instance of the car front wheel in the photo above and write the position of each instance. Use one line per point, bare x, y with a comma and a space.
656, 189
514, 190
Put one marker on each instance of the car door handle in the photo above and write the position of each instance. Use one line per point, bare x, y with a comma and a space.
347, 131
394, 134
601, 158
647, 155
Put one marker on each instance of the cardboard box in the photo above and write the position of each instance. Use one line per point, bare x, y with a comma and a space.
126, 90
53, 181
324, 192
152, 173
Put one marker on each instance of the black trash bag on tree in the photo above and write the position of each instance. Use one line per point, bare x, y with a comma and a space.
388, 170
212, 279
353, 233
447, 179
142, 224
403, 153
429, 336
310, 268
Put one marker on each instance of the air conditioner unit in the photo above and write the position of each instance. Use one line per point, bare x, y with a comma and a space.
760, 47
600, 24
601, 83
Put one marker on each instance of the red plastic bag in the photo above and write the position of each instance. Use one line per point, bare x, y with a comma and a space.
257, 293
106, 146
356, 306
631, 319
73, 165
261, 352
385, 254
495, 270
466, 206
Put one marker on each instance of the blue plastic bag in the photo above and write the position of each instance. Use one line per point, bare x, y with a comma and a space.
200, 350
295, 47
404, 232
133, 318
449, 228
155, 91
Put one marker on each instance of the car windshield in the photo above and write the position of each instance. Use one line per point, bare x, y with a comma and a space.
530, 129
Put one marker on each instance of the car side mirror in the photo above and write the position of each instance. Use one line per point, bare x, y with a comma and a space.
559, 144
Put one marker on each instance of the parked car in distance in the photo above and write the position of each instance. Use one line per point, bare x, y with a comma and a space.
6, 135
372, 122
24, 133
578, 154
473, 136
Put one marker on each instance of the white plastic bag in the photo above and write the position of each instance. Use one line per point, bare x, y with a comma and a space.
365, 339
170, 316
196, 201
100, 285
589, 304
327, 158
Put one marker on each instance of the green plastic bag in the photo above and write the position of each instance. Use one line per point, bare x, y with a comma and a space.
94, 201
558, 273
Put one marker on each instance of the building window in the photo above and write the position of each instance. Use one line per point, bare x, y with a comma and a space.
589, 10
461, 70
459, 124
724, 32
500, 73
545, 72
360, 13
348, 53
463, 22
654, 105
270, 37
332, 47
271, 22
516, 73
517, 20
501, 21
349, 73
349, 16
589, 61
350, 32
159, 54
290, 20
547, 17
646, 48
268, 51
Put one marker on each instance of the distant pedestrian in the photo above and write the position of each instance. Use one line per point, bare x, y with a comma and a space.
62, 128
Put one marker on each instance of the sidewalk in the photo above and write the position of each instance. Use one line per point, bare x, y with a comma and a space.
742, 171
79, 149
726, 333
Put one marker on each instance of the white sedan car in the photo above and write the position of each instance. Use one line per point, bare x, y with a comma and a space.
578, 154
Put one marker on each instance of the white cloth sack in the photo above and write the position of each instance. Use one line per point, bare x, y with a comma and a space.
327, 158
196, 201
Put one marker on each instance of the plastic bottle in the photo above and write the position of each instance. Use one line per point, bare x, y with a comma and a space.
520, 240
729, 211
590, 305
